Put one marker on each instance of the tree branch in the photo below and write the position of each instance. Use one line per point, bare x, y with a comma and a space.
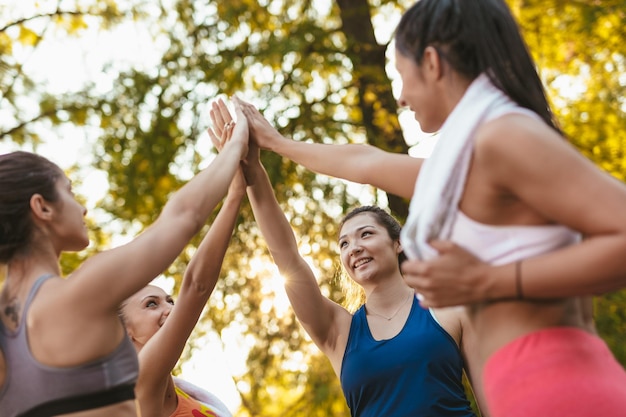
38, 16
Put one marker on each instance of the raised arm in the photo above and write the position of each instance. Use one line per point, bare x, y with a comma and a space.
159, 356
358, 163
319, 316
107, 279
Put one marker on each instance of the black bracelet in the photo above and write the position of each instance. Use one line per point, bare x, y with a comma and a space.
518, 280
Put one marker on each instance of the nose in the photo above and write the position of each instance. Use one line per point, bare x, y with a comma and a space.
167, 309
355, 249
402, 102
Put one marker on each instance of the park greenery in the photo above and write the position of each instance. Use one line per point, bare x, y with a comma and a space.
319, 70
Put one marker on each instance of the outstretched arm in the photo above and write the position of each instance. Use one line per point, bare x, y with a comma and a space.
320, 317
363, 164
159, 356
136, 263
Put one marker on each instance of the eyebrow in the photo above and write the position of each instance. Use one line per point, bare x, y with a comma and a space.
359, 229
149, 296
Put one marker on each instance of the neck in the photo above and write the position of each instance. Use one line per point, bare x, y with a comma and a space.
454, 89
390, 313
388, 295
19, 274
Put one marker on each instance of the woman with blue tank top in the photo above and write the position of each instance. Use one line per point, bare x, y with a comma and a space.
394, 358
63, 348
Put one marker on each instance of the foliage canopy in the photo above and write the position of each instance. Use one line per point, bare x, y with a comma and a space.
319, 71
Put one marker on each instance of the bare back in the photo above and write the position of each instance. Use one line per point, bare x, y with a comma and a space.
72, 348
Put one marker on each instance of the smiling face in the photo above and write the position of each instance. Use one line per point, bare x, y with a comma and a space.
367, 251
145, 312
422, 89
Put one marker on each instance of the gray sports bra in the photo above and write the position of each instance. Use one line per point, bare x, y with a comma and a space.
32, 389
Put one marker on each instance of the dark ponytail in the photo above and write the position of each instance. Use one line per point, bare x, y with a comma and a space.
22, 174
476, 36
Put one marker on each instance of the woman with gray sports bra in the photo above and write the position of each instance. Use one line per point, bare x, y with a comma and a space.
63, 348
497, 211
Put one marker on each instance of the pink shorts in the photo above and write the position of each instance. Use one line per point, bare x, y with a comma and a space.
561, 371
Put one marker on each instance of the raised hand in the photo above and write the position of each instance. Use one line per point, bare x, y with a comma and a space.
222, 119
222, 124
221, 132
220, 116
261, 131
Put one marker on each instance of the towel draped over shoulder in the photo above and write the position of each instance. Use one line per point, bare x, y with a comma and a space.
442, 177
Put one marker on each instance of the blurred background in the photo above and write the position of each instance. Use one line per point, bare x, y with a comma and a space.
118, 92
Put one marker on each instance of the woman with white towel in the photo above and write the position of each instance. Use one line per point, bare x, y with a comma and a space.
498, 212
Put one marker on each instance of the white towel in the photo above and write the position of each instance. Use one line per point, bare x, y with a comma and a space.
442, 176
205, 397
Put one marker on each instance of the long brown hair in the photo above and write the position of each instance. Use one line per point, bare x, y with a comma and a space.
22, 174
474, 37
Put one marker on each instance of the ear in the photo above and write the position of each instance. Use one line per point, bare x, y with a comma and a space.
398, 247
129, 331
40, 208
432, 63
130, 335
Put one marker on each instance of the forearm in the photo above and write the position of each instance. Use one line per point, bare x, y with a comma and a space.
162, 352
595, 266
204, 268
363, 164
191, 205
274, 226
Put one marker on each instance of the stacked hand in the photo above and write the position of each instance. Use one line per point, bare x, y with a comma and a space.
222, 124
262, 133
222, 130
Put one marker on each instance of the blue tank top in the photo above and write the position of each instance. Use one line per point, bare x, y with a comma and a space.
32, 389
417, 373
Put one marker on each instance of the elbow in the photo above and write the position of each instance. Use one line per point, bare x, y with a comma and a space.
201, 285
184, 219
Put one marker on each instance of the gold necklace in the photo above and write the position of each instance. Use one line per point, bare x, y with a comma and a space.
369, 310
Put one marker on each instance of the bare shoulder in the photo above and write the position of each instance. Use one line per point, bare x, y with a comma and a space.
510, 133
54, 294
518, 147
451, 319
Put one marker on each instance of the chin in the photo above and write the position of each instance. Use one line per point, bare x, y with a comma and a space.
80, 246
429, 128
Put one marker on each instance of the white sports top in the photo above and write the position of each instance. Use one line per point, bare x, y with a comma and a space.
498, 245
